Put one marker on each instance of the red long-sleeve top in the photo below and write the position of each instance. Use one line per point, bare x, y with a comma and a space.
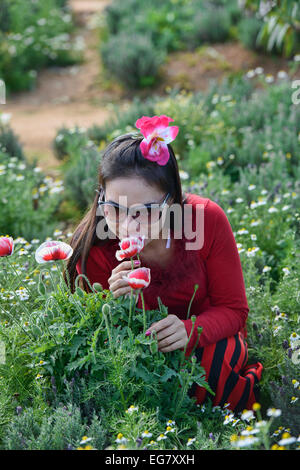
220, 303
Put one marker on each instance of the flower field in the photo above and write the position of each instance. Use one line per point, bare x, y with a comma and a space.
80, 371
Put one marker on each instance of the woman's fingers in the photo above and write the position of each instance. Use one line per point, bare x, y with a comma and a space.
125, 266
162, 324
121, 266
170, 340
171, 333
166, 332
117, 285
121, 291
177, 345
118, 282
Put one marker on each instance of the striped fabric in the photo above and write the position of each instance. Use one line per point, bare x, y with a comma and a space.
229, 377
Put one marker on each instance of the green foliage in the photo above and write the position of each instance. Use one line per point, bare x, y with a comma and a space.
134, 29
80, 177
27, 200
79, 339
4, 16
248, 32
34, 35
239, 127
210, 25
68, 141
280, 20
138, 34
284, 391
59, 429
9, 142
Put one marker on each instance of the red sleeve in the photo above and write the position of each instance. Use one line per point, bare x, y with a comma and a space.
228, 310
97, 267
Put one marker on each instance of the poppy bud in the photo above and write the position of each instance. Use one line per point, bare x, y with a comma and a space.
154, 347
106, 309
97, 287
80, 292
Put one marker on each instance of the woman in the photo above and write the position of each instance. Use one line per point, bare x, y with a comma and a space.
142, 169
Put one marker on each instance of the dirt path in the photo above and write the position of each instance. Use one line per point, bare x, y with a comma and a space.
64, 96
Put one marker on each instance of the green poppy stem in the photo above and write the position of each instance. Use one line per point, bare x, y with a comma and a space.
143, 302
131, 294
195, 290
144, 311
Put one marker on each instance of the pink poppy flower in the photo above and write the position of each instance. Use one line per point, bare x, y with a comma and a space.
130, 246
6, 246
138, 278
53, 250
157, 135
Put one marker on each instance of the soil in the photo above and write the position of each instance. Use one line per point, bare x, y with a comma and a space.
196, 70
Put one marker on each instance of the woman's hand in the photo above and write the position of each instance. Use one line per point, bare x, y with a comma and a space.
171, 333
117, 285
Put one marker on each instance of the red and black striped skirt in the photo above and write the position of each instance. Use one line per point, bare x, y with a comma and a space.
227, 373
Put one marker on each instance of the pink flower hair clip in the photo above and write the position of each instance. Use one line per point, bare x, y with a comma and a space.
157, 135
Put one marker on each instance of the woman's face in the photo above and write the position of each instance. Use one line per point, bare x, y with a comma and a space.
133, 191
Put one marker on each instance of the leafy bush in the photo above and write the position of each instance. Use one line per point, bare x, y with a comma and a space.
68, 141
210, 25
92, 336
37, 36
60, 429
236, 127
248, 32
4, 16
9, 142
279, 32
28, 199
132, 58
160, 27
179, 25
80, 178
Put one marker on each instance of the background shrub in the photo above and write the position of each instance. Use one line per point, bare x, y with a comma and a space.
9, 142
248, 31
132, 59
34, 35
28, 199
211, 25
